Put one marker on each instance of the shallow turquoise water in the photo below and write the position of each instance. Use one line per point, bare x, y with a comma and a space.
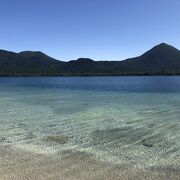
118, 119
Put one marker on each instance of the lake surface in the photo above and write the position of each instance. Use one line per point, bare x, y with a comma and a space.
130, 120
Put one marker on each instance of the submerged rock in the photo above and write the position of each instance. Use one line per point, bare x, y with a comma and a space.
56, 139
147, 144
2, 139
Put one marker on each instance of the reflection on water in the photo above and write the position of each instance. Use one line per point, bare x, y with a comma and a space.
118, 119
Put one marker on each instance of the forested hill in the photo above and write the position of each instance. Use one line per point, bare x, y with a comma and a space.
163, 59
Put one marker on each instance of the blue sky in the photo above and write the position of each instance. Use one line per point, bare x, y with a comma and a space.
98, 29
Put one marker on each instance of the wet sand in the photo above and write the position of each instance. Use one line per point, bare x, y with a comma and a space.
17, 164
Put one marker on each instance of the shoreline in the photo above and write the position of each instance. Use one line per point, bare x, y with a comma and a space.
91, 75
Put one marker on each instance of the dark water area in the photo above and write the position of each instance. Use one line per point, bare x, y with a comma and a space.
128, 84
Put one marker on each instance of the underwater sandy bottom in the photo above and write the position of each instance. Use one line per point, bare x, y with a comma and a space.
90, 128
22, 165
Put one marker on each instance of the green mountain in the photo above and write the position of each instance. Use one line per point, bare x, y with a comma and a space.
163, 59
27, 63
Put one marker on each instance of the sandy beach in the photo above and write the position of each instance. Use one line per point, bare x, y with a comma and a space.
16, 164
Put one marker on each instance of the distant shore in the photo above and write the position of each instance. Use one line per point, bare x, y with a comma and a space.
86, 74
163, 59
